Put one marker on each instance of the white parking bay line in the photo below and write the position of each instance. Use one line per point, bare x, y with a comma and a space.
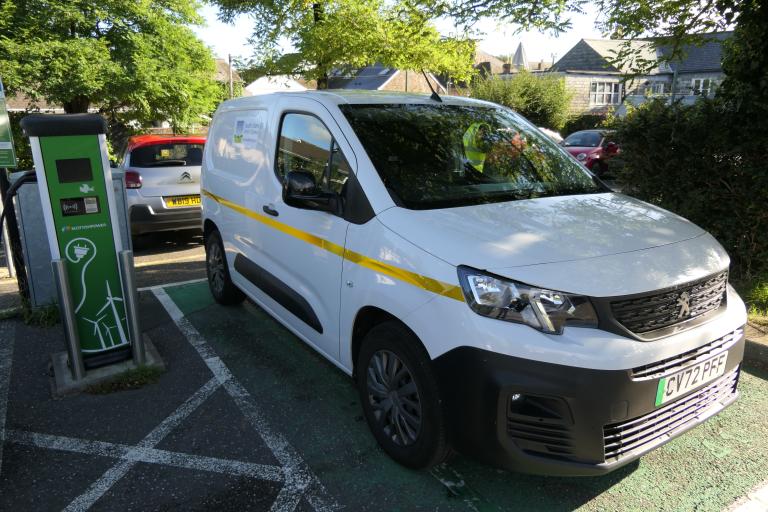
146, 455
7, 332
177, 283
116, 472
299, 479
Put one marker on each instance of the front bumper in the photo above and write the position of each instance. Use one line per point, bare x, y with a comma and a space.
568, 421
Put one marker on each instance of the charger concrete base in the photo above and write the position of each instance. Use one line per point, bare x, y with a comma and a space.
63, 384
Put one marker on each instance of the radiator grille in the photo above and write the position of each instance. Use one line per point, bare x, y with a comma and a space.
635, 434
659, 310
670, 365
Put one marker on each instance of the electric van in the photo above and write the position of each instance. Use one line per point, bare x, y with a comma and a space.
486, 292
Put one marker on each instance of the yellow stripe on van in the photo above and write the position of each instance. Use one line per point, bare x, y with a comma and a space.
425, 283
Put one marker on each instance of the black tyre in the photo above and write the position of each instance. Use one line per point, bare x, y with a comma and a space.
400, 396
219, 281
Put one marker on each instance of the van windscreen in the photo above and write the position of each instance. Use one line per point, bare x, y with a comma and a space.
441, 156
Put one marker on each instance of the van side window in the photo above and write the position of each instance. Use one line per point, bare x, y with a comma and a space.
305, 144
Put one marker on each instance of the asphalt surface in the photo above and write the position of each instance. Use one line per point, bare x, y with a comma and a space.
249, 418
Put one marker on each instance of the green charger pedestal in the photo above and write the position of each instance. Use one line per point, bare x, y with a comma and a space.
93, 272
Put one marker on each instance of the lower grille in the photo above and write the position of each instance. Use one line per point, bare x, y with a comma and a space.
540, 424
638, 433
541, 438
670, 365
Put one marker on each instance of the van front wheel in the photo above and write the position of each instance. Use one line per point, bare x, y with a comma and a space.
400, 396
222, 288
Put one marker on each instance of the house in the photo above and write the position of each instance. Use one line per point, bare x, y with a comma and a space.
382, 78
598, 85
488, 65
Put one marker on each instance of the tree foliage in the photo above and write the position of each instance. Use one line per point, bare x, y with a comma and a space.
700, 162
542, 99
331, 34
133, 59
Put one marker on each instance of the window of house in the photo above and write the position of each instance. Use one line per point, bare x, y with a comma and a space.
307, 145
655, 88
701, 86
605, 93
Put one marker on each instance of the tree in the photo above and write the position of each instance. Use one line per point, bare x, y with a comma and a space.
542, 99
134, 60
330, 34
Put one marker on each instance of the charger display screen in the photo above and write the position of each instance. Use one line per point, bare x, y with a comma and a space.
74, 170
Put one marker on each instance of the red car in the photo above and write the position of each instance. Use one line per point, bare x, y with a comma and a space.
592, 148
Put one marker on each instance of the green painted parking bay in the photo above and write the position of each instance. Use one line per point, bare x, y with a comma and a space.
315, 406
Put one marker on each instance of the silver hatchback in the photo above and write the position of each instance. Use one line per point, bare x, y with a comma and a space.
162, 182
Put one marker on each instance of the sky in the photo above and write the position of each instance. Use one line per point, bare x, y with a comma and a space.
232, 39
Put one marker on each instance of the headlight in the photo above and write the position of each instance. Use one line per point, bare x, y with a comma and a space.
581, 156
546, 310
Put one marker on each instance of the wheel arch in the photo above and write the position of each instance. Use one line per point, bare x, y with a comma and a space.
208, 227
366, 319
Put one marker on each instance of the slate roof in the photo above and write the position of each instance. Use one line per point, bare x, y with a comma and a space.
520, 59
592, 55
707, 57
368, 78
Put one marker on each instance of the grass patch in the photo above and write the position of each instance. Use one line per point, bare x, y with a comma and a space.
131, 379
8, 313
45, 316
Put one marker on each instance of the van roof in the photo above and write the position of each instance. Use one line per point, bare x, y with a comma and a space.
346, 96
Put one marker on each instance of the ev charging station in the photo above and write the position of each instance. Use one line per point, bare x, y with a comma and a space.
92, 270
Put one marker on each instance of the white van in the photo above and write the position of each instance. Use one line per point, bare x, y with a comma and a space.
487, 293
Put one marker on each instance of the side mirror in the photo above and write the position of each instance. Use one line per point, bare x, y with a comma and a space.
300, 191
611, 148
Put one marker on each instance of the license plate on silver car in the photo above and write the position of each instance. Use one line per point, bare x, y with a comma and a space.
690, 378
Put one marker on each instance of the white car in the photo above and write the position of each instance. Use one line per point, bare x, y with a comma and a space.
485, 291
162, 182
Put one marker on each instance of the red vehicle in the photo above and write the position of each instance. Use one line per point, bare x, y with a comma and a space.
593, 148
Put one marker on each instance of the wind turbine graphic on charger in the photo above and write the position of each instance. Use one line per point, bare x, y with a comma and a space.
81, 252
99, 323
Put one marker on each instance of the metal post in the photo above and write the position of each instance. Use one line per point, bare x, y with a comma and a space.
132, 307
68, 319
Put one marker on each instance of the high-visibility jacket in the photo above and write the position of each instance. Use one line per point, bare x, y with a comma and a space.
475, 156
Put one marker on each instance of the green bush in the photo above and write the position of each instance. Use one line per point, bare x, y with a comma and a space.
20, 143
706, 162
584, 122
540, 98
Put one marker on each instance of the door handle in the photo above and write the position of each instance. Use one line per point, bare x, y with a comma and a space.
269, 210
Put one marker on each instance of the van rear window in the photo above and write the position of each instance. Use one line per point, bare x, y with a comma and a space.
167, 155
